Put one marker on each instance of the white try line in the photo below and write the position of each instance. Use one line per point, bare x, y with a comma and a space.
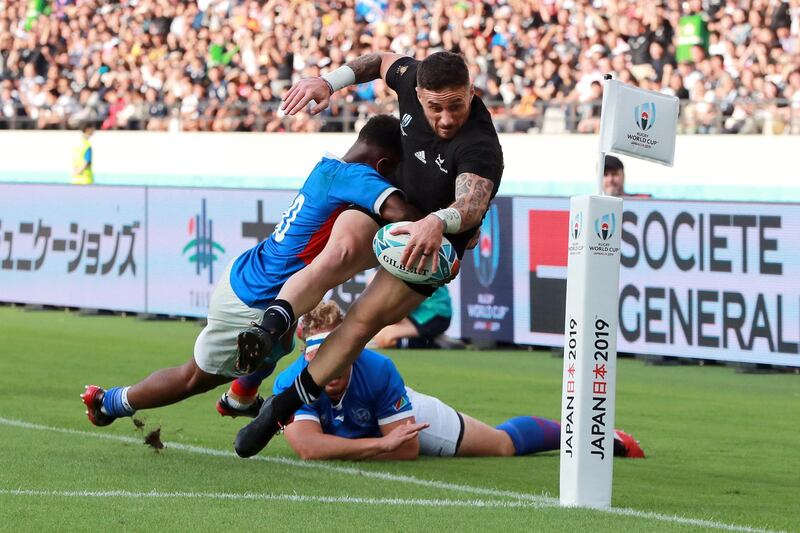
541, 501
384, 476
291, 498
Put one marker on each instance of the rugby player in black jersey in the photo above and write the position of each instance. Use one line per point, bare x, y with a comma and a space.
451, 169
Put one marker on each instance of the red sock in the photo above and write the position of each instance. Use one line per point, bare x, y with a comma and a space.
243, 391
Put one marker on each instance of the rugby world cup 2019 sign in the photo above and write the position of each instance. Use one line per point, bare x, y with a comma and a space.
638, 123
589, 384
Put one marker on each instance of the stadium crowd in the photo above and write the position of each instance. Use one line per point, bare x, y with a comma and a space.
222, 65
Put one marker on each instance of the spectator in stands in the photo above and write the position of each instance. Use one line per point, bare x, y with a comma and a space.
614, 179
590, 110
528, 58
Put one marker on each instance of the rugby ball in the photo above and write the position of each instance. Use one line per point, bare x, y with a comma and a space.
389, 249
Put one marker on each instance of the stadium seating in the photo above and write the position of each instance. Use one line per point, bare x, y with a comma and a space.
222, 65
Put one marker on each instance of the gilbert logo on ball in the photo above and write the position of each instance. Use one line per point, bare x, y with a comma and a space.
389, 249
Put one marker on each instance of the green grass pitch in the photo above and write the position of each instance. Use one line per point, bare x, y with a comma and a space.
723, 448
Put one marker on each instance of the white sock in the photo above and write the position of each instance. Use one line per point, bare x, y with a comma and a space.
236, 404
125, 401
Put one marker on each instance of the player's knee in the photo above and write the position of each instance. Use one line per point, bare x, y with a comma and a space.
505, 445
339, 255
364, 326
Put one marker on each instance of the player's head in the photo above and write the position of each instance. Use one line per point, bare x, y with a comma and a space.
312, 328
87, 128
445, 92
613, 177
380, 143
324, 318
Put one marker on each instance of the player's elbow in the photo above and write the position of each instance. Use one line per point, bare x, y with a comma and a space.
396, 209
409, 451
308, 453
304, 450
391, 213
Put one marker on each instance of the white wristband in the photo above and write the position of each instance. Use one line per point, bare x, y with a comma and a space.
451, 218
340, 78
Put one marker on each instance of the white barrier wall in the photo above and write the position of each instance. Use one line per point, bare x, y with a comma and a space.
733, 167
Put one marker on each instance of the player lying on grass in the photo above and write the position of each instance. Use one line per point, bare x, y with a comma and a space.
315, 228
422, 328
368, 413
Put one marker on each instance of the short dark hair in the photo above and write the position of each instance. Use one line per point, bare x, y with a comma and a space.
383, 132
612, 164
442, 70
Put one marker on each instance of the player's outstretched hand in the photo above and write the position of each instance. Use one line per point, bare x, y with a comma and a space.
303, 92
401, 434
423, 244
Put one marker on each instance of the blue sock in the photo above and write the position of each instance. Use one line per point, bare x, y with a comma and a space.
115, 402
531, 434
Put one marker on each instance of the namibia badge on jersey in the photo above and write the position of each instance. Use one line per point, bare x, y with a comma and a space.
400, 403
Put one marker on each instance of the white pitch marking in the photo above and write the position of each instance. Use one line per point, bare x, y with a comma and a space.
301, 498
542, 501
385, 476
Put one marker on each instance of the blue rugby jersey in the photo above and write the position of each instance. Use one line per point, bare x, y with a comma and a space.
375, 396
259, 273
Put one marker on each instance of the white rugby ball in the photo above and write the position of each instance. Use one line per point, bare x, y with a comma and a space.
389, 249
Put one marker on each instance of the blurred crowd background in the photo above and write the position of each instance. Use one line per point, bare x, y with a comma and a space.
222, 65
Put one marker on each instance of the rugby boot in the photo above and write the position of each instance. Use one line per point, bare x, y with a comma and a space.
255, 436
626, 446
255, 345
92, 398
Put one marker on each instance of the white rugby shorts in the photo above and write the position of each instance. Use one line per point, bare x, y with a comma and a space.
215, 349
446, 429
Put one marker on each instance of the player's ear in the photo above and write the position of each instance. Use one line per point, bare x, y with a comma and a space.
384, 166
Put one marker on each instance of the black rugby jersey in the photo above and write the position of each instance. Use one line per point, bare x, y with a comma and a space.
430, 165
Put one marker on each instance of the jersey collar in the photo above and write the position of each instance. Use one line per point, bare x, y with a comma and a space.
329, 155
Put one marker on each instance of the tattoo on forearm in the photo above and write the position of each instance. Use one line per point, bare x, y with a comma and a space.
366, 68
473, 194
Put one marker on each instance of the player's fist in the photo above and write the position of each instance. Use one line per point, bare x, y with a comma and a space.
425, 239
303, 92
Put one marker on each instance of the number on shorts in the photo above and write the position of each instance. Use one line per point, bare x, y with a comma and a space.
288, 217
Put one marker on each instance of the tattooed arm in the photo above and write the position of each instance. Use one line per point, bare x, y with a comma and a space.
473, 194
372, 66
360, 70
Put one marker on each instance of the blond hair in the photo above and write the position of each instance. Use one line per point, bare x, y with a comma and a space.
322, 319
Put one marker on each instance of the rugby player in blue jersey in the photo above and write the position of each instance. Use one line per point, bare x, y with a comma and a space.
317, 226
369, 413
